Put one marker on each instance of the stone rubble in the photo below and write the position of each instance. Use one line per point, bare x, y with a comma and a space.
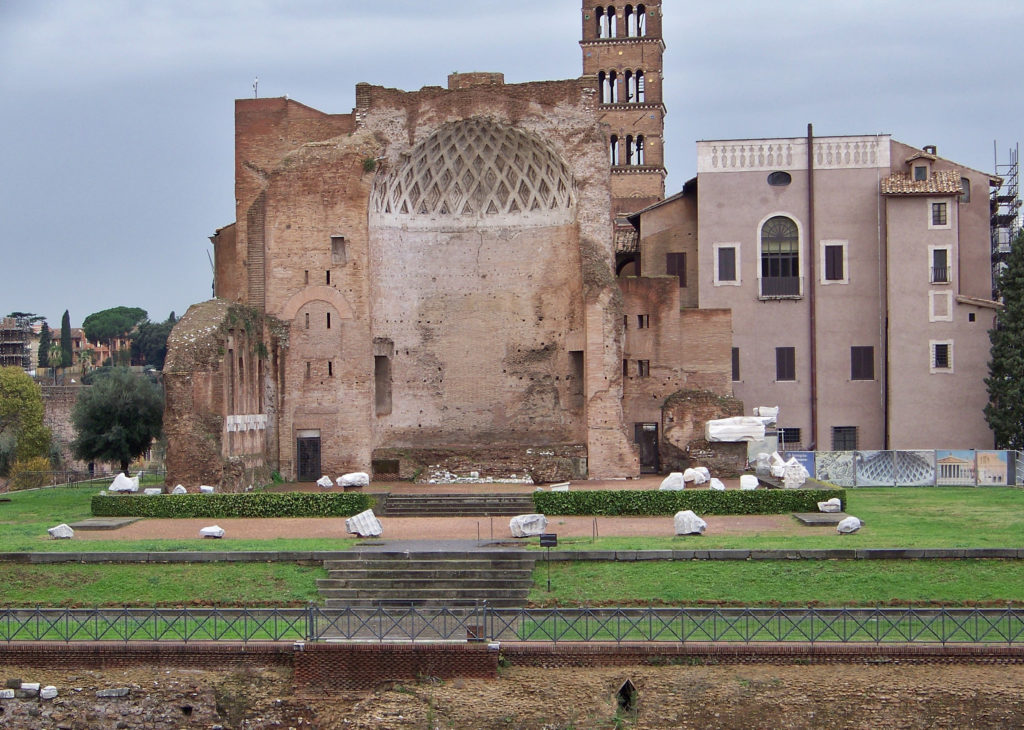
364, 524
831, 505
528, 525
214, 531
688, 523
354, 479
62, 531
179, 490
325, 482
748, 481
848, 525
673, 482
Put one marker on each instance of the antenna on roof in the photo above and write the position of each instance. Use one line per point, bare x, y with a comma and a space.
256, 88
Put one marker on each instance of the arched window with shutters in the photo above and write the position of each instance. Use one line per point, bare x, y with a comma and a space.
780, 257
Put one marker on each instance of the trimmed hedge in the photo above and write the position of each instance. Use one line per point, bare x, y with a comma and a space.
282, 504
701, 501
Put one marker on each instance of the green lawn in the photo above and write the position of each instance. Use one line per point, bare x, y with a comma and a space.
775, 582
159, 584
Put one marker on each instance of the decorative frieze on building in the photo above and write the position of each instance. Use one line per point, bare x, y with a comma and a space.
830, 153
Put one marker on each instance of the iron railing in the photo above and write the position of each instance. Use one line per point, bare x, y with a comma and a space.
997, 626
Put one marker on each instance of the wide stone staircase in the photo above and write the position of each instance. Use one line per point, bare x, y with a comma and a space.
453, 505
501, 578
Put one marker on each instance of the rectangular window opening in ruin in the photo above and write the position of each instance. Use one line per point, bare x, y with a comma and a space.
231, 381
328, 320
306, 277
307, 320
643, 321
643, 368
309, 369
328, 273
259, 386
339, 255
330, 369
675, 265
576, 373
625, 367
735, 364
382, 384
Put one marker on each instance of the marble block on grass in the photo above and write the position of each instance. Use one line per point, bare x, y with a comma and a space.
212, 531
122, 483
354, 479
61, 532
673, 482
850, 524
364, 524
528, 525
688, 523
325, 482
831, 505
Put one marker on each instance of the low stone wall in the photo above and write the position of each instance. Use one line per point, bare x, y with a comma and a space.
557, 463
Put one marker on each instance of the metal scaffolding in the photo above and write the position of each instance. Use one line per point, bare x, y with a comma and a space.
1005, 206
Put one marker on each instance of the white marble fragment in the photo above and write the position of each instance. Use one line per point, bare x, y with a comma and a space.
325, 482
179, 490
748, 481
560, 487
795, 475
690, 475
737, 428
122, 483
850, 524
673, 482
354, 479
212, 531
30, 686
205, 489
701, 475
150, 491
61, 532
688, 523
831, 505
364, 524
48, 692
716, 484
528, 525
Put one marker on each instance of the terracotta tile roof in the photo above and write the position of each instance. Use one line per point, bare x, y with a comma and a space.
943, 182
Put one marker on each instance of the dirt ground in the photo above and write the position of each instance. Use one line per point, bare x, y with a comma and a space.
762, 696
452, 528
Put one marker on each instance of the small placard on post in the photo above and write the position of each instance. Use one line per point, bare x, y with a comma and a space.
549, 539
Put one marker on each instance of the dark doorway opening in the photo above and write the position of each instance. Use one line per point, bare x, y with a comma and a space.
307, 449
645, 435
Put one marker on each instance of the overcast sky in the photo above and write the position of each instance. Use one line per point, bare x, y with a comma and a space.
117, 125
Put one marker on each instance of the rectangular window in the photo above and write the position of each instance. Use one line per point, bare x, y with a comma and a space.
643, 321
675, 265
338, 253
330, 369
844, 438
789, 439
862, 363
920, 173
965, 186
940, 266
834, 263
328, 320
625, 368
785, 363
941, 359
726, 264
939, 214
735, 364
643, 368
328, 272
305, 276
382, 384
307, 320
625, 321
309, 369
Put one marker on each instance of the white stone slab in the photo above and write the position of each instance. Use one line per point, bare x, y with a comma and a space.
205, 489
831, 505
48, 692
702, 475
122, 483
61, 532
325, 482
716, 484
737, 428
31, 686
794, 475
850, 524
364, 524
528, 525
212, 531
748, 481
688, 523
354, 479
179, 490
151, 491
673, 482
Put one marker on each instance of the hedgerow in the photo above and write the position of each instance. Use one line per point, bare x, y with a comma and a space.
285, 504
701, 501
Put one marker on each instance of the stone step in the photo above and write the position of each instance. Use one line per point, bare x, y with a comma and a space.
362, 555
415, 595
454, 505
423, 603
429, 574
438, 584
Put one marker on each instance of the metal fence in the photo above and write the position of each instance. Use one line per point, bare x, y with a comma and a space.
995, 626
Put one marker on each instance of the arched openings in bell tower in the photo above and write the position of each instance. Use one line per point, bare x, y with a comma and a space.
607, 24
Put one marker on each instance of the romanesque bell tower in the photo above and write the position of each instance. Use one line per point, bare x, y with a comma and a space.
623, 48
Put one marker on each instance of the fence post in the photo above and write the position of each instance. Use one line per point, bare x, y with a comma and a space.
310, 622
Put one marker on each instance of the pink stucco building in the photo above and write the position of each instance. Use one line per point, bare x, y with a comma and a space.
859, 280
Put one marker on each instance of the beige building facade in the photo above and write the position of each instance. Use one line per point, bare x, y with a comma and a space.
858, 274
